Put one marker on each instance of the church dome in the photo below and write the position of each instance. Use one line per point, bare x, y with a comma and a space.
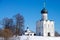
44, 10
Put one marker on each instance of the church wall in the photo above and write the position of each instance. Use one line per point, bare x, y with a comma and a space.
52, 28
48, 27
45, 28
39, 28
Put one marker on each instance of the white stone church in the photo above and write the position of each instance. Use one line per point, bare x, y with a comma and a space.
45, 27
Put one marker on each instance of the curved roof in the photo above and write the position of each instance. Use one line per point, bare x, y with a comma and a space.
44, 10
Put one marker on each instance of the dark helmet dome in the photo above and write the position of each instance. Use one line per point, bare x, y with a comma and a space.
44, 10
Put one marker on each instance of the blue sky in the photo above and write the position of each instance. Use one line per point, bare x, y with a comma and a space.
30, 9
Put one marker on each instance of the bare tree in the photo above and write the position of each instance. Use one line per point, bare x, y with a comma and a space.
7, 22
19, 24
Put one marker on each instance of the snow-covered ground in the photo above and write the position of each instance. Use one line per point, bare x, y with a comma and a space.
32, 38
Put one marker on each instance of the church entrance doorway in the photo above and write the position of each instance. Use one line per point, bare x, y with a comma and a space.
48, 33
